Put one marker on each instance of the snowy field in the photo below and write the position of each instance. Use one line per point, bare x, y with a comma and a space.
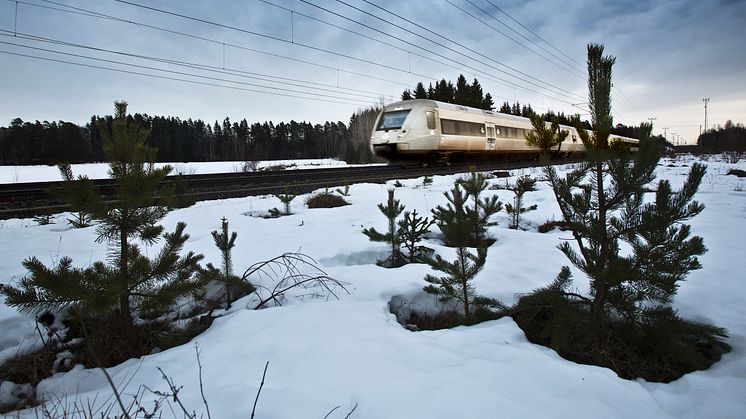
42, 173
352, 352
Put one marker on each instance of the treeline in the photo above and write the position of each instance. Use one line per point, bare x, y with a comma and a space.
180, 140
462, 93
725, 138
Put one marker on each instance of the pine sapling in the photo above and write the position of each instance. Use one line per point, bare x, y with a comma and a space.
456, 283
483, 208
453, 220
131, 283
391, 210
522, 185
345, 191
81, 195
225, 243
285, 198
545, 137
412, 229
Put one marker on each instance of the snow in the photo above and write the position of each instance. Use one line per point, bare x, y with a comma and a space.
352, 352
43, 173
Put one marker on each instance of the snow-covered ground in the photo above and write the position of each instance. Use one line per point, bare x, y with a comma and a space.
42, 173
352, 352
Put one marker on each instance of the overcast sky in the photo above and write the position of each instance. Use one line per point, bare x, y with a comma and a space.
319, 60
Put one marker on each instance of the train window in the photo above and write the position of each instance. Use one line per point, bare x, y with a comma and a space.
453, 127
392, 120
430, 115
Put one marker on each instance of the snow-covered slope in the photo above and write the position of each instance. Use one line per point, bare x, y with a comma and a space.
352, 352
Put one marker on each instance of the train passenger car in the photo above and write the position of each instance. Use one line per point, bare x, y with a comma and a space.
427, 130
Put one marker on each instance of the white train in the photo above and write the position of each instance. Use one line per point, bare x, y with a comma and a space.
426, 130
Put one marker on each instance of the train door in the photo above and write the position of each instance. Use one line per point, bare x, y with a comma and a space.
490, 136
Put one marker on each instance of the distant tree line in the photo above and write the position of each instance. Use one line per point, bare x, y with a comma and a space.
180, 140
725, 138
462, 93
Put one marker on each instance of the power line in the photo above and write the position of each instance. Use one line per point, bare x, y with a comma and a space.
551, 86
532, 32
326, 50
245, 74
315, 97
624, 100
569, 70
89, 13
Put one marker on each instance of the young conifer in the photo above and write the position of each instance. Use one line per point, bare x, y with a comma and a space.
456, 284
131, 283
85, 203
285, 197
522, 185
225, 243
482, 207
412, 229
545, 137
457, 215
602, 202
391, 210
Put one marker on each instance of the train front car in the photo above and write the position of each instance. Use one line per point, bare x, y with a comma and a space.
405, 130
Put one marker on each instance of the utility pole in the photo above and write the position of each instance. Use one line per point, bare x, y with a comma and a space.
664, 133
706, 100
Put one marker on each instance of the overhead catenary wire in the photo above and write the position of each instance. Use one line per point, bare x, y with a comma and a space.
559, 63
375, 63
526, 77
533, 33
290, 93
90, 13
437, 43
625, 101
222, 44
205, 67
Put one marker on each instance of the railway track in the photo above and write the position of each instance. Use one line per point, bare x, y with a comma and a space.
22, 200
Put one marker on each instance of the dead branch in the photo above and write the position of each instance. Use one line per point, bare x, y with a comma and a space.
288, 271
253, 409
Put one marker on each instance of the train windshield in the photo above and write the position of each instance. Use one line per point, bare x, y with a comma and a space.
392, 120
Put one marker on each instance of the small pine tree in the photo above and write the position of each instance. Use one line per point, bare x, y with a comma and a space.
80, 193
412, 229
454, 220
522, 185
545, 137
345, 190
456, 284
285, 198
132, 283
603, 204
225, 243
391, 210
457, 215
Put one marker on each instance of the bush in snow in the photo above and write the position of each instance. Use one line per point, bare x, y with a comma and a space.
325, 200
